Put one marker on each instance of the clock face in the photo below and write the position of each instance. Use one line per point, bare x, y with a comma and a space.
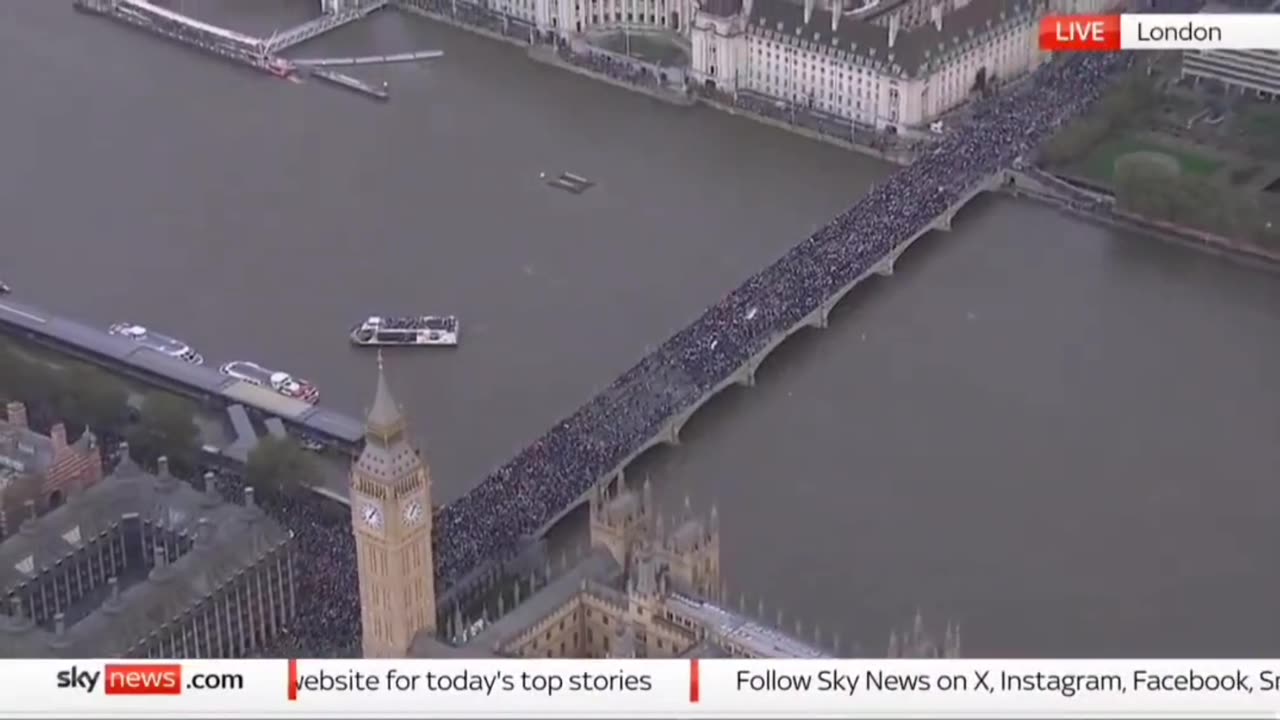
372, 515
413, 512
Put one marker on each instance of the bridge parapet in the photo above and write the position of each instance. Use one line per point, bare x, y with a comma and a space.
669, 432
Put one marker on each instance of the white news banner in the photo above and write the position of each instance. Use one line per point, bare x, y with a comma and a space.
637, 688
1205, 31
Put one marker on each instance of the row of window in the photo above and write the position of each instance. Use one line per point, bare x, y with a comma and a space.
237, 621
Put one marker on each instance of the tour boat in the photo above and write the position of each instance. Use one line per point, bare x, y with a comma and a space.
160, 343
5, 289
426, 330
282, 382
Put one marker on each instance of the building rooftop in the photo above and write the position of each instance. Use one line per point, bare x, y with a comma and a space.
705, 650
24, 451
228, 538
913, 49
759, 640
597, 566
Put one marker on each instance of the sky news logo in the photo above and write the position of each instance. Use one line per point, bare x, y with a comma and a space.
124, 679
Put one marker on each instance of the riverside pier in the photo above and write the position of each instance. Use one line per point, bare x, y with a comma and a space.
346, 82
125, 357
228, 44
263, 53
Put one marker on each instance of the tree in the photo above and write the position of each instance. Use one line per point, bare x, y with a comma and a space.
279, 466
1148, 184
25, 378
12, 368
1075, 140
96, 399
15, 491
166, 427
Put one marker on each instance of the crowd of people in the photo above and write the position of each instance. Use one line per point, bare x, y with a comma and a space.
327, 620
421, 322
478, 15
609, 66
523, 495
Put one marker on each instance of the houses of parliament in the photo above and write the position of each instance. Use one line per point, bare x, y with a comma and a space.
141, 564
645, 587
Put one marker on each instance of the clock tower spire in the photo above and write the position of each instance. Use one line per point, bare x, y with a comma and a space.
391, 519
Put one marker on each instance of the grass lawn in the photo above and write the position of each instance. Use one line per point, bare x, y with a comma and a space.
1260, 128
1263, 122
1100, 164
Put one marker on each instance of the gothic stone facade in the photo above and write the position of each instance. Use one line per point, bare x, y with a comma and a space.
144, 565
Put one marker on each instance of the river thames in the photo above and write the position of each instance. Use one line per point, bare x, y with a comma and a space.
1055, 434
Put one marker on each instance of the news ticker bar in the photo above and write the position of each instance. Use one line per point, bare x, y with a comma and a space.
631, 688
1204, 31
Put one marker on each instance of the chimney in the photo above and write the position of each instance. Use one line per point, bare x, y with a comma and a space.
15, 608
935, 12
204, 532
808, 11
114, 584
17, 414
126, 465
893, 29
28, 520
162, 466
59, 625
58, 434
162, 557
248, 498
211, 498
837, 7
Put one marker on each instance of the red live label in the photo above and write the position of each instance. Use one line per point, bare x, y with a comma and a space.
144, 680
1080, 33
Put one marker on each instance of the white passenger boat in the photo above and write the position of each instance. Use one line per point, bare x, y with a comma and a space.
426, 330
282, 382
160, 343
4, 289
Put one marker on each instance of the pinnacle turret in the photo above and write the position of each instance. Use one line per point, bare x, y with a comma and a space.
385, 420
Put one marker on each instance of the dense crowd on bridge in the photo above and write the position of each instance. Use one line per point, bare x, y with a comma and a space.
534, 487
519, 498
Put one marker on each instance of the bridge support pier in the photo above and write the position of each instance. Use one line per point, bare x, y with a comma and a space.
671, 435
885, 268
944, 221
747, 376
820, 318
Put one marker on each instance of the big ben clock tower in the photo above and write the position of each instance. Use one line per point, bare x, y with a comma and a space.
391, 519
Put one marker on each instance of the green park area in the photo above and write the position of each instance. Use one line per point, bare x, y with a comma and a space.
57, 388
1160, 170
1260, 128
1100, 163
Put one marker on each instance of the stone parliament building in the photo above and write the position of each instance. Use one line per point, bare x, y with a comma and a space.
645, 588
146, 566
